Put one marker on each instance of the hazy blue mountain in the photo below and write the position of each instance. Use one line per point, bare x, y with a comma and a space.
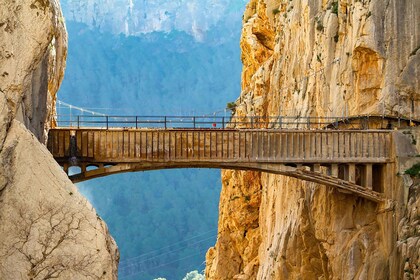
163, 221
137, 17
158, 73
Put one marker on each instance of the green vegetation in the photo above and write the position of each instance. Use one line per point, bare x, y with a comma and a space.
319, 25
276, 11
334, 8
231, 106
414, 171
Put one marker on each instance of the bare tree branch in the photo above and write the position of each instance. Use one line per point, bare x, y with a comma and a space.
43, 238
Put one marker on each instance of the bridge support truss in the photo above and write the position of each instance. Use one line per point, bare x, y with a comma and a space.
352, 161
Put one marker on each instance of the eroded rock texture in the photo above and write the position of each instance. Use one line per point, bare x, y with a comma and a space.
319, 58
47, 229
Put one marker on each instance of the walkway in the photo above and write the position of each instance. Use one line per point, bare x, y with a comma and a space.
351, 160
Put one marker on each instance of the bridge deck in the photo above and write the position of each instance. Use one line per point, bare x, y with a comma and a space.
353, 160
273, 146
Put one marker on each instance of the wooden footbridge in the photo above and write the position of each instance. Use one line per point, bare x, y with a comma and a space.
352, 160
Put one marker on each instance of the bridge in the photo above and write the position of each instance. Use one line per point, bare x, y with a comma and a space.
351, 160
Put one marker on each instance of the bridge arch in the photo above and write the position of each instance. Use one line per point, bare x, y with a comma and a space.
306, 173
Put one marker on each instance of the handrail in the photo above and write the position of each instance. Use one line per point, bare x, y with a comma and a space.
193, 122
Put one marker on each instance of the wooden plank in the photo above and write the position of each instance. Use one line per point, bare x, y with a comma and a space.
365, 144
348, 139
85, 144
234, 155
277, 146
198, 145
227, 145
247, 145
216, 146
146, 144
223, 144
387, 146
90, 144
238, 144
266, 152
310, 146
67, 144
330, 145
61, 146
358, 147
239, 136
57, 143
204, 144
131, 144
57, 151
97, 144
158, 144
298, 146
120, 144
137, 149
142, 145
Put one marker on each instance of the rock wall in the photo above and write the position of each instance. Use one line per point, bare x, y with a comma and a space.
319, 58
47, 229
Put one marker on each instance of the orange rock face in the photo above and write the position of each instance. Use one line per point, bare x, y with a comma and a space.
319, 58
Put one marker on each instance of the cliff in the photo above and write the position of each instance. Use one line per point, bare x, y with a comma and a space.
47, 229
322, 58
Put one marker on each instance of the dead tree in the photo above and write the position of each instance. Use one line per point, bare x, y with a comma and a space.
44, 240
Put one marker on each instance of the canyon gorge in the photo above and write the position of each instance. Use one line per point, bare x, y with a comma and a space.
317, 58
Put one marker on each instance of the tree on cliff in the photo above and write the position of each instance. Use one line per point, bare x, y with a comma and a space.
40, 240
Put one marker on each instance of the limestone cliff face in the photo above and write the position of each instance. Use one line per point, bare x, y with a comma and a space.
320, 58
47, 229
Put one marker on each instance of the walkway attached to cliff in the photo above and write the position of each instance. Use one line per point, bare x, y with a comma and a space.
316, 150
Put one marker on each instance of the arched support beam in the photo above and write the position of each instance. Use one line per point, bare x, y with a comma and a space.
296, 172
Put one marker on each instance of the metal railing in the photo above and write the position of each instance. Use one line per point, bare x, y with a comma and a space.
223, 122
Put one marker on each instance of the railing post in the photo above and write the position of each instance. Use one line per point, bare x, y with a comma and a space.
194, 121
137, 126
308, 119
280, 120
252, 122
223, 122
78, 122
165, 122
107, 123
